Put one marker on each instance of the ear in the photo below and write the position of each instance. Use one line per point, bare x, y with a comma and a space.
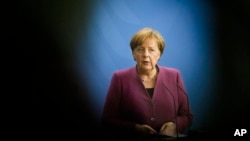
159, 57
133, 56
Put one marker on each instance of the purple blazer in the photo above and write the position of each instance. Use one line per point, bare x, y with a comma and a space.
127, 101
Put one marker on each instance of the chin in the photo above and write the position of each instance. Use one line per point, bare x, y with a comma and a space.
147, 68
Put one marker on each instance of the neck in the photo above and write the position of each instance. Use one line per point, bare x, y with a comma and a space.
148, 75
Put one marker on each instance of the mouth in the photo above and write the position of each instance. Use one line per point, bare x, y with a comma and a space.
145, 62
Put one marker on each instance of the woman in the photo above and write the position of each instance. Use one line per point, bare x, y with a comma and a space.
147, 98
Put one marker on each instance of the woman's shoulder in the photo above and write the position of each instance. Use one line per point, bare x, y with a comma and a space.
125, 71
169, 69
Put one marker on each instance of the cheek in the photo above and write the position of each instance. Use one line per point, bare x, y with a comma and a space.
157, 57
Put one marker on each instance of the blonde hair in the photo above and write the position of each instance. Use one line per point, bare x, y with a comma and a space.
147, 33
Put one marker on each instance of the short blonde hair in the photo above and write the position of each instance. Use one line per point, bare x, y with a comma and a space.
146, 33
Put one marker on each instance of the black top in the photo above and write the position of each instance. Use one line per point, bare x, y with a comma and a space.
150, 91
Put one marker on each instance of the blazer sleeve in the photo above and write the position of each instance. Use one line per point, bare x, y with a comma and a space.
184, 115
112, 118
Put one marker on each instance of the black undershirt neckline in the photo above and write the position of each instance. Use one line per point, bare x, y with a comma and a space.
150, 91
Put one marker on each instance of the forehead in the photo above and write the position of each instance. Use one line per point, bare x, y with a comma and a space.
149, 42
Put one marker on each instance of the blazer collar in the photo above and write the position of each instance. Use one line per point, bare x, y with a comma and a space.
160, 75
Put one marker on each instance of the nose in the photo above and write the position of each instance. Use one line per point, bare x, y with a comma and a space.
146, 53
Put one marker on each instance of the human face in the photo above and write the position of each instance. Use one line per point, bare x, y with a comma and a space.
147, 55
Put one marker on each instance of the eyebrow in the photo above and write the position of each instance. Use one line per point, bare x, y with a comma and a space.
140, 46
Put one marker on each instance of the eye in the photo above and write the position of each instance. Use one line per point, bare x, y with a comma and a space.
139, 49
